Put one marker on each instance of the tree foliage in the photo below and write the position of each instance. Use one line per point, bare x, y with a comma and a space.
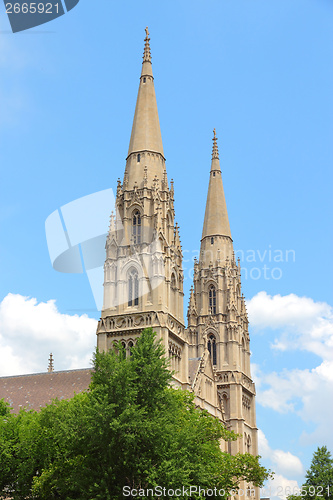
319, 477
130, 429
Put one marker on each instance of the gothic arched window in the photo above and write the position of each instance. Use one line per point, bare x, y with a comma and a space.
123, 345
248, 445
136, 227
169, 230
133, 287
173, 302
212, 347
225, 402
212, 299
130, 346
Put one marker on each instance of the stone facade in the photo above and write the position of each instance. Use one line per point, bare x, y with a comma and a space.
143, 279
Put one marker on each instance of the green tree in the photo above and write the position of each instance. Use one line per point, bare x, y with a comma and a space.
4, 408
320, 473
319, 477
131, 429
18, 449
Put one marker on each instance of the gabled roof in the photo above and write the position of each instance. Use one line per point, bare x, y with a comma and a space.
193, 366
38, 390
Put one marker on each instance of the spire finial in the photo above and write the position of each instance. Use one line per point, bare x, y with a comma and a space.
215, 154
146, 52
50, 368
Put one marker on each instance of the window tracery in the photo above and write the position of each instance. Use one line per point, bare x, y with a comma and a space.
212, 299
133, 287
212, 347
136, 227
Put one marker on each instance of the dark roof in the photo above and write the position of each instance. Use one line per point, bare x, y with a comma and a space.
38, 390
193, 365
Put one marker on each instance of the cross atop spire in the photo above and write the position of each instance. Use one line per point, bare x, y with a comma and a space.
215, 154
146, 52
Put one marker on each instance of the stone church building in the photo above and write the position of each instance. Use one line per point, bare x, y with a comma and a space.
143, 278
143, 287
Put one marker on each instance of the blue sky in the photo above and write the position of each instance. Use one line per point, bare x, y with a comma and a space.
261, 74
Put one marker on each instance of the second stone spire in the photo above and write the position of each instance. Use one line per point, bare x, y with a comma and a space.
216, 242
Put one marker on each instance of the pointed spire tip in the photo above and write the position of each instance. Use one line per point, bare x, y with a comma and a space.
215, 153
146, 52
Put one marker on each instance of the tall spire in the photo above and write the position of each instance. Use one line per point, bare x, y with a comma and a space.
216, 221
145, 148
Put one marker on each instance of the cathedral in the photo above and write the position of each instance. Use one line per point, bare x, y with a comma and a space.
143, 279
143, 287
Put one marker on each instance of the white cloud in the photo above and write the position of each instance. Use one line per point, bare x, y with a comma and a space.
263, 446
29, 331
300, 324
306, 393
283, 462
286, 388
279, 488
